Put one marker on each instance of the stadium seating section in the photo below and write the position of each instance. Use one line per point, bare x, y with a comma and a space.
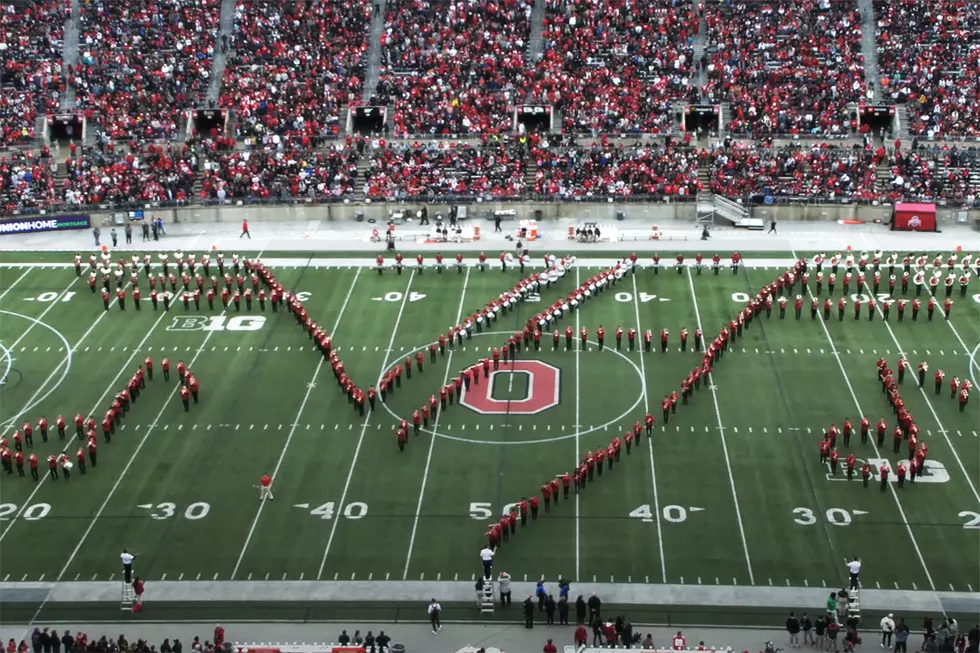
457, 69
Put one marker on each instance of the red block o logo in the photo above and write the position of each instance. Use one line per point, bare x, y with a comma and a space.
543, 391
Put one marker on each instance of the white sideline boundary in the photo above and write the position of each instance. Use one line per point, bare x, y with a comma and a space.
724, 443
857, 404
295, 425
646, 408
432, 439
367, 420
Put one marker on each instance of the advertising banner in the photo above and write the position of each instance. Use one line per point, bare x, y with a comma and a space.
40, 223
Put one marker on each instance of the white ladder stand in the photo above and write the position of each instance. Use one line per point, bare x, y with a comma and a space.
853, 604
486, 599
128, 596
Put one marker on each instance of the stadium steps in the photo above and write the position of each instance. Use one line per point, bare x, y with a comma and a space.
700, 50
902, 116
883, 178
535, 44
363, 163
70, 52
226, 27
726, 117
868, 48
373, 58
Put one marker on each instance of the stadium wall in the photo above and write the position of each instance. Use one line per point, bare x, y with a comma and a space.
651, 213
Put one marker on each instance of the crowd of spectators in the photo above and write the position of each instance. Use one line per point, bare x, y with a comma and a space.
279, 175
26, 181
49, 640
934, 174
453, 66
141, 173
615, 66
445, 170
786, 67
31, 83
929, 58
142, 61
602, 170
821, 172
294, 66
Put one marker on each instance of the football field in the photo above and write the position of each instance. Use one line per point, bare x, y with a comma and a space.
730, 491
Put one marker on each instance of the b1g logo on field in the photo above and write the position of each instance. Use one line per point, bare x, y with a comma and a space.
543, 390
217, 323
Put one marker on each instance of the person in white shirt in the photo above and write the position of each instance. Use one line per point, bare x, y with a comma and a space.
854, 569
486, 556
127, 562
887, 628
434, 610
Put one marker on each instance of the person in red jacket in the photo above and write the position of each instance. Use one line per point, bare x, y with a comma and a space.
245, 230
138, 588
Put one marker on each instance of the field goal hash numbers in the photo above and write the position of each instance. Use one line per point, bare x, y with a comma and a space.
167, 510
304, 296
628, 297
976, 298
218, 323
33, 512
353, 510
395, 296
51, 296
835, 516
672, 514
972, 520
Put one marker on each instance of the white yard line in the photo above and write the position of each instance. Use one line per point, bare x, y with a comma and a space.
16, 281
367, 420
646, 408
132, 459
935, 416
857, 404
295, 425
433, 437
578, 430
110, 389
40, 317
724, 444
149, 431
31, 403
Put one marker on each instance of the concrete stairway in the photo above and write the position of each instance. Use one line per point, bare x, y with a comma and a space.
868, 48
226, 27
372, 61
535, 45
70, 51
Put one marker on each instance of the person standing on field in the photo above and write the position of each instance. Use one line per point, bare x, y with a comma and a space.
265, 488
245, 230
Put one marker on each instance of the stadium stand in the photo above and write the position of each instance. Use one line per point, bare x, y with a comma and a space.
141, 62
31, 36
650, 171
785, 67
929, 55
279, 175
615, 67
821, 171
149, 173
453, 66
295, 67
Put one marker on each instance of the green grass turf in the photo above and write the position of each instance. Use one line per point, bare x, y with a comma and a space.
349, 504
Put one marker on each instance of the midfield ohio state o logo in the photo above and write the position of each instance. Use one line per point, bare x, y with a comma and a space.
543, 390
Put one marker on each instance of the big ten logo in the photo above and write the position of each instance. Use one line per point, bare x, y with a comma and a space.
217, 323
